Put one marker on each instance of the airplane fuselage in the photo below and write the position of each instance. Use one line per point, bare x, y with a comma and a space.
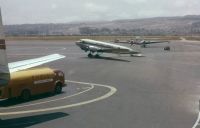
94, 46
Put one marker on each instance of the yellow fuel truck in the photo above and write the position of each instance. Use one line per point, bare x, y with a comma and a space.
27, 83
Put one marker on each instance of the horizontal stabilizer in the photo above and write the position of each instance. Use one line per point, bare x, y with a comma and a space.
25, 64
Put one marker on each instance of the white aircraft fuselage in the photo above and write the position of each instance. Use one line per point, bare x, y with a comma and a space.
98, 47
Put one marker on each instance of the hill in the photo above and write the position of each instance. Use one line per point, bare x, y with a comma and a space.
183, 25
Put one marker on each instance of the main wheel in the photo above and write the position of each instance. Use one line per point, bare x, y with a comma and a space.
90, 55
144, 45
25, 95
167, 48
97, 56
58, 89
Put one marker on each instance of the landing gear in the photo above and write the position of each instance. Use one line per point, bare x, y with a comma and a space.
97, 56
144, 45
167, 48
90, 55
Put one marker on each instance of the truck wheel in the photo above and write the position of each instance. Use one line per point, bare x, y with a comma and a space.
58, 89
25, 95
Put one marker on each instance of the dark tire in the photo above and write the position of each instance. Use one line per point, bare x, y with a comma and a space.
25, 95
58, 88
97, 56
167, 48
90, 55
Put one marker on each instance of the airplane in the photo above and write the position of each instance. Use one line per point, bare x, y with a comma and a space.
95, 48
6, 69
142, 43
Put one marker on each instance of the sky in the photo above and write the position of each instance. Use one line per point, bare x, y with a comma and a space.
66, 11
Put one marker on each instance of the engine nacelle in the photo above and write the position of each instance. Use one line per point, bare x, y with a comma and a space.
93, 48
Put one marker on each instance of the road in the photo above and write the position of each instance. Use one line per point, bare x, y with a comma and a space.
161, 89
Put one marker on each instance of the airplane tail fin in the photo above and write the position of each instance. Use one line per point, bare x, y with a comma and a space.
4, 70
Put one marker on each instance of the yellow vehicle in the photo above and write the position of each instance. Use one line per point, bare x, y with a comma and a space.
30, 82
17, 79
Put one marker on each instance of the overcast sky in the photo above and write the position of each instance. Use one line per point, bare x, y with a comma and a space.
63, 11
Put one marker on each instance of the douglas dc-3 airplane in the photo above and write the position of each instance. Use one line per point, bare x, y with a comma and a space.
143, 43
95, 48
6, 69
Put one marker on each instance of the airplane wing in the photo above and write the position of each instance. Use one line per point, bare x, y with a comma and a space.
108, 50
99, 49
118, 41
25, 64
112, 50
155, 42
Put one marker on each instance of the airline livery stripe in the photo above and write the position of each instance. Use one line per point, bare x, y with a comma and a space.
2, 44
43, 81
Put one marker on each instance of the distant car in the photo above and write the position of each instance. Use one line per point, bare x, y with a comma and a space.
167, 48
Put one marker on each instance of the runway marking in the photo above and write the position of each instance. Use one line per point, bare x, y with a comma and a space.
105, 96
197, 121
198, 118
76, 94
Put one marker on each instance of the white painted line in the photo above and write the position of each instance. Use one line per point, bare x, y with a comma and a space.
197, 121
76, 94
110, 93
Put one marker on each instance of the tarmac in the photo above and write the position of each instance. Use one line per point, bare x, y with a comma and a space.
159, 90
